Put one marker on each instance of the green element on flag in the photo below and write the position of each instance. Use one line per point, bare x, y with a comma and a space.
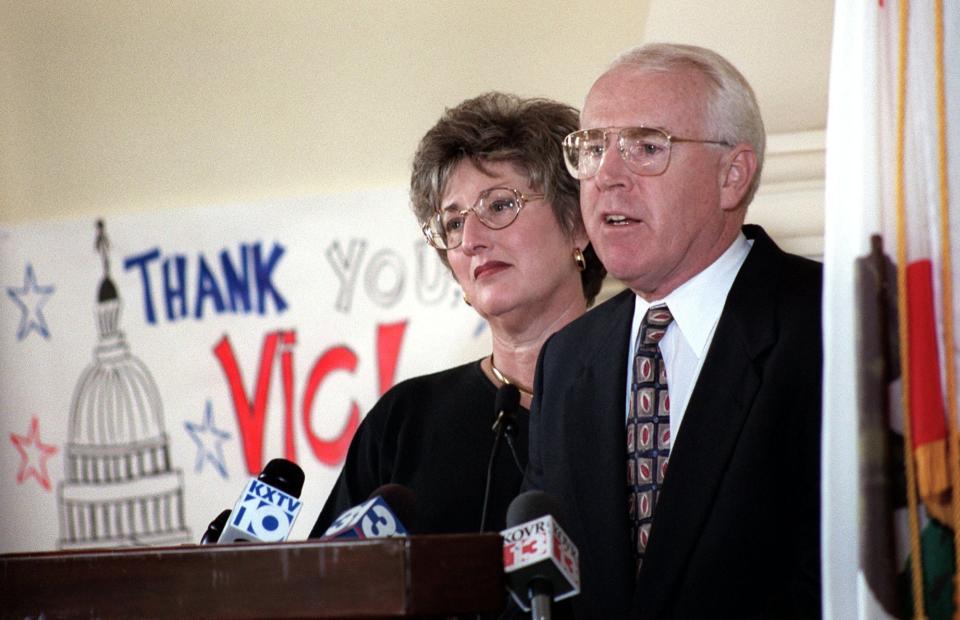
936, 543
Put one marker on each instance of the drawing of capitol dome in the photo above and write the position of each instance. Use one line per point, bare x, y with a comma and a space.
120, 488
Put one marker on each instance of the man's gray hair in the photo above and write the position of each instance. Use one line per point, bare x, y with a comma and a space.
732, 110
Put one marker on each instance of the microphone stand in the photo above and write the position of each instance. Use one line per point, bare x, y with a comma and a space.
540, 602
506, 403
493, 457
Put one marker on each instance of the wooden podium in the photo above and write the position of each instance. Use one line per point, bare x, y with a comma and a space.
434, 575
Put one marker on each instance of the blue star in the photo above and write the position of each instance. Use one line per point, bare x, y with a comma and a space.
31, 299
215, 436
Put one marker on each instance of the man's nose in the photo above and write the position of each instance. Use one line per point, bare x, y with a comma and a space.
612, 167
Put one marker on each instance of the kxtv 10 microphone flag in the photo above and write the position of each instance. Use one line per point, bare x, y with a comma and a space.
268, 505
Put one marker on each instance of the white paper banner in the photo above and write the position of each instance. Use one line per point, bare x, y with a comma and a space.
245, 332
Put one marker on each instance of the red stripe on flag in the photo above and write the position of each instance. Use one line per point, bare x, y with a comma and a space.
926, 397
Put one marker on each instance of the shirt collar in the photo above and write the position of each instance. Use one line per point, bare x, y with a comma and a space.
697, 303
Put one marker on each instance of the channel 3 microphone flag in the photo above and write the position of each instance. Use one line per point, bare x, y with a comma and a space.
375, 518
268, 505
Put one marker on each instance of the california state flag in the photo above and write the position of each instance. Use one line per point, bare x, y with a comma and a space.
891, 473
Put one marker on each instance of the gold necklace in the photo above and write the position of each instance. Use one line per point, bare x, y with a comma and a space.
502, 378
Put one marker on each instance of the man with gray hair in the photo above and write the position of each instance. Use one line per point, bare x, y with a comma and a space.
679, 423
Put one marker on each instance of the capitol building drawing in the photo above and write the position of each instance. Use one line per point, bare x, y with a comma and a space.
119, 488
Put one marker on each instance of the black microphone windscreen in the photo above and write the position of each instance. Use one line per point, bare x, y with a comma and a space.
215, 529
402, 500
284, 475
533, 505
507, 399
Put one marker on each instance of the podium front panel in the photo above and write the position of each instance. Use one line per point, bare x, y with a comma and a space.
384, 578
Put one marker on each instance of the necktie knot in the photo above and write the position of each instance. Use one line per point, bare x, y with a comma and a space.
654, 325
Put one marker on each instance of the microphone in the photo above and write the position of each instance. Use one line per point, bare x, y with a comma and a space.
268, 505
540, 562
215, 529
378, 517
505, 407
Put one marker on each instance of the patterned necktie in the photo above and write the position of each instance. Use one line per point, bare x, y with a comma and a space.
648, 426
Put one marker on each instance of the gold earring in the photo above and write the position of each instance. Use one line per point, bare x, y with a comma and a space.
467, 301
579, 259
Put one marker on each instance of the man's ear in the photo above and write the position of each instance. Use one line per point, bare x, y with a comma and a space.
739, 168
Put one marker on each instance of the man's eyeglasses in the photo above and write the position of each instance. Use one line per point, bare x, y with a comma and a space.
645, 150
496, 208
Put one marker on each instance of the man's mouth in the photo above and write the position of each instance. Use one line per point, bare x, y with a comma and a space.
617, 220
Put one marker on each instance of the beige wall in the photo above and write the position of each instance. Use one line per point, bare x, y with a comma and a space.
136, 104
123, 105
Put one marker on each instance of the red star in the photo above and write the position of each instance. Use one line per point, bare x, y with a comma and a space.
32, 441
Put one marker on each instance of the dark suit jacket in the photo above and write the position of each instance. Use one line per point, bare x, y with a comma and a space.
736, 527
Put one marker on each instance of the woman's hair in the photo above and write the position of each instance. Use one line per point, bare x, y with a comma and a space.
497, 127
732, 110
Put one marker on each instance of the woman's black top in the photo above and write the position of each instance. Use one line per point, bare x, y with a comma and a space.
434, 435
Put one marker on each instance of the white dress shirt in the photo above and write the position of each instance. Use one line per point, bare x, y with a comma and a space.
696, 306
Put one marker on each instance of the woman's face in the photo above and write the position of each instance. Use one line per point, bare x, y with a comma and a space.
525, 268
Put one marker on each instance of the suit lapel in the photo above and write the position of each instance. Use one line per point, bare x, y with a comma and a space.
597, 439
717, 410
